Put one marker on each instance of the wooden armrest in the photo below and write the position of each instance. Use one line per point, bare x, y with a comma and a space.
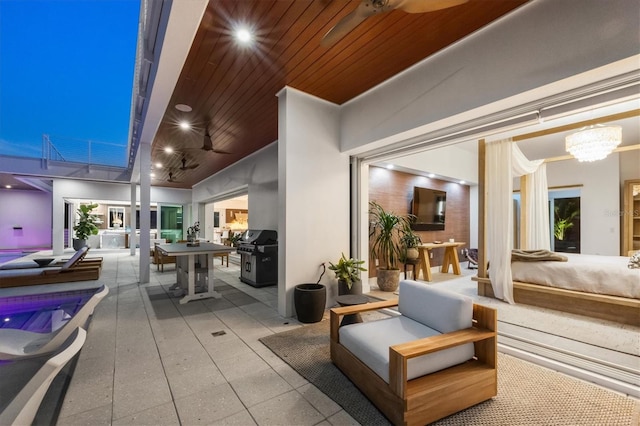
373, 306
440, 342
336, 313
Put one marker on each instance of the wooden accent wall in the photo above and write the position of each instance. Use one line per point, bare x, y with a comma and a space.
393, 190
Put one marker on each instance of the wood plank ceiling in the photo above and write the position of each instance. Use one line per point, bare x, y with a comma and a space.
232, 89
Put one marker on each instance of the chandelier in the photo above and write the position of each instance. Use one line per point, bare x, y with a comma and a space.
594, 142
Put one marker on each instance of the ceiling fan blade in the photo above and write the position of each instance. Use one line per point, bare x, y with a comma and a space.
218, 151
207, 143
424, 6
185, 167
364, 10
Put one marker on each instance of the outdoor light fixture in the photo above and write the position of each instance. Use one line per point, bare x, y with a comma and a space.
183, 107
243, 35
594, 142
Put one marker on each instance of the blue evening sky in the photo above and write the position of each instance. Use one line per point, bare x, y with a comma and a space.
66, 70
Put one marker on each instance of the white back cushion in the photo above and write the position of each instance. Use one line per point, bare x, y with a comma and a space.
439, 309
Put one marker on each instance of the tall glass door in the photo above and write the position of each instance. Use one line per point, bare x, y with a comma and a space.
171, 223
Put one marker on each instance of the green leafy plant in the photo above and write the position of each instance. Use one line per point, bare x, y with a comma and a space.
409, 239
564, 219
234, 238
385, 232
347, 270
86, 222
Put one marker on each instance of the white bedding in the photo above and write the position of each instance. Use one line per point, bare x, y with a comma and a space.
583, 272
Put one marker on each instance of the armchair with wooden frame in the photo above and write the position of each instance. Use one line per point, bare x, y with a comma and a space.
416, 375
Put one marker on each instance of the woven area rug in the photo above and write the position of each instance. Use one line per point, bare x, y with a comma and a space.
527, 394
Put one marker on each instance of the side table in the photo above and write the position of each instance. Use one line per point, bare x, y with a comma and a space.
351, 300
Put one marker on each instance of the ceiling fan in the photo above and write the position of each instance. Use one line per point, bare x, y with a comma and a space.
368, 8
207, 144
171, 179
185, 167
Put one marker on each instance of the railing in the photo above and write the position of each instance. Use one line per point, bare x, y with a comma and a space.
83, 151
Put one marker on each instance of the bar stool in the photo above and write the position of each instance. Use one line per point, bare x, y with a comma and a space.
414, 263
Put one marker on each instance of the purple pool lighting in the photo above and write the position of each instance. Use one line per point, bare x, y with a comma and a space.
42, 313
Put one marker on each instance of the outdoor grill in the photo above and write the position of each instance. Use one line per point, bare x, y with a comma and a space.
258, 251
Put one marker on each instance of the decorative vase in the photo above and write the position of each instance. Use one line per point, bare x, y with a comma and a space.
310, 301
356, 287
78, 244
412, 253
388, 279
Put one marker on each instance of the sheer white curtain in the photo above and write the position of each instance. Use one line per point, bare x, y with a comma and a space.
503, 162
538, 231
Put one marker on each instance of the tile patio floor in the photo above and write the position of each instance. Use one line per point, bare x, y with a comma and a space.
150, 360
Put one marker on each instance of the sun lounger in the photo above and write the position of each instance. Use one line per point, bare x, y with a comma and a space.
22, 344
25, 383
72, 270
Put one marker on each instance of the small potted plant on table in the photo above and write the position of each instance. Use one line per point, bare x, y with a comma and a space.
410, 240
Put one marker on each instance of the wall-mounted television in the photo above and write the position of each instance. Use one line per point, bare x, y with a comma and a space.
428, 207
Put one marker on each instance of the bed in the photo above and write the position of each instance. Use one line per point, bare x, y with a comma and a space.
597, 286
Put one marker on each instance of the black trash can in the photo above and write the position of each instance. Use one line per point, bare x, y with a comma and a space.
309, 301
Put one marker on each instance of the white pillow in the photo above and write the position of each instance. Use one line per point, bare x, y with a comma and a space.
439, 309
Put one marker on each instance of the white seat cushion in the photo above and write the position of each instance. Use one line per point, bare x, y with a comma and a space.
370, 341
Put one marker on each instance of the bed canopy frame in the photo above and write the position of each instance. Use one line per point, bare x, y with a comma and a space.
613, 308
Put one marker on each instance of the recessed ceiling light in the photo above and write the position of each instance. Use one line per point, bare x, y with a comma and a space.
168, 150
183, 107
184, 125
243, 35
8, 186
431, 175
159, 165
152, 174
462, 182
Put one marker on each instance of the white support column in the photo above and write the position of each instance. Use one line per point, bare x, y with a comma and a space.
133, 239
313, 205
145, 210
57, 223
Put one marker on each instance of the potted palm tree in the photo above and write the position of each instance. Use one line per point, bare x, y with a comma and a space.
385, 231
86, 225
348, 274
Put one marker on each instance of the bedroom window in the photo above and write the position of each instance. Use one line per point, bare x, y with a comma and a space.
564, 220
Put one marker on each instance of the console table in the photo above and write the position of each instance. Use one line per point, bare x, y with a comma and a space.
450, 258
186, 257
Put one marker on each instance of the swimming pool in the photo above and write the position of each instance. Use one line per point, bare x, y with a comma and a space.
7, 256
42, 313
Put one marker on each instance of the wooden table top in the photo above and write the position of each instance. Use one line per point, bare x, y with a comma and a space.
442, 244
